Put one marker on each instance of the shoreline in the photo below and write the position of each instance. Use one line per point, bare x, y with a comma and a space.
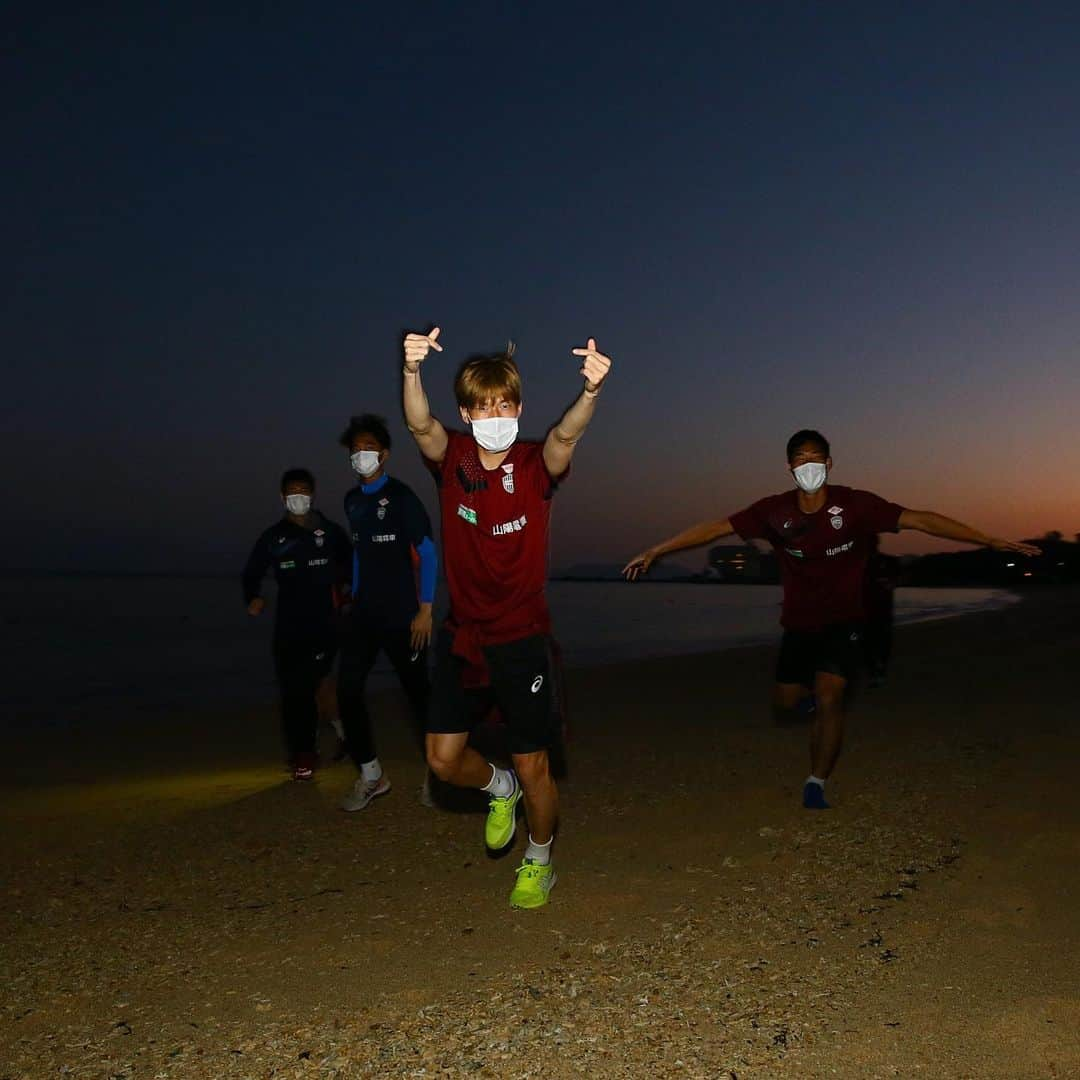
198, 653
91, 722
246, 733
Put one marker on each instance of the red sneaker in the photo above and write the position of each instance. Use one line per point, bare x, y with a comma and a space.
304, 767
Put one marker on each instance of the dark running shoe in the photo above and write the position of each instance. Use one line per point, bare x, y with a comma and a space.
813, 797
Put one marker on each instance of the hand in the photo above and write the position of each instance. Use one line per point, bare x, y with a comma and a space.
420, 628
255, 607
594, 367
1014, 545
639, 565
417, 346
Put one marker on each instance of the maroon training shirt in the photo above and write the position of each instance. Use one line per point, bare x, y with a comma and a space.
495, 542
823, 556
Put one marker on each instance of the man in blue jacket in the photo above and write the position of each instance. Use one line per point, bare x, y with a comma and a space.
391, 608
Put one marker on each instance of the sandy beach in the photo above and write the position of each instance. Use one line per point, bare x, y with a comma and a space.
174, 907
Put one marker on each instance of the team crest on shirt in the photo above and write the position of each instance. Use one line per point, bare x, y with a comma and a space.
508, 479
320, 537
836, 520
381, 512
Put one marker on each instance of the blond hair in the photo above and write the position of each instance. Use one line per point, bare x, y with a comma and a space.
486, 379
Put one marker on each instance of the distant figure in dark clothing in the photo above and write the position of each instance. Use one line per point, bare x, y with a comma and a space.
309, 557
882, 578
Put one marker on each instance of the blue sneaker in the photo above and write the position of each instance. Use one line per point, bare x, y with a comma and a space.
813, 797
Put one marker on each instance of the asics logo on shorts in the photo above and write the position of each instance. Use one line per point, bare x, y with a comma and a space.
537, 683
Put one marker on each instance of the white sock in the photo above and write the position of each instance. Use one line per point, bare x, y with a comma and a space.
538, 853
336, 724
501, 784
371, 770
812, 779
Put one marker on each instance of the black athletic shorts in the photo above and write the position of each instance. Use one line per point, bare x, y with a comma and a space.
837, 650
522, 674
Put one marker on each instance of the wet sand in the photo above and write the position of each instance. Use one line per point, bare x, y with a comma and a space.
173, 907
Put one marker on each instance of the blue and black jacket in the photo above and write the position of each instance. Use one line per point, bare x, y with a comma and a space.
394, 559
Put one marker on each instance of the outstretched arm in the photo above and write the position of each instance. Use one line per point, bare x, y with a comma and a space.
938, 525
563, 437
695, 536
429, 434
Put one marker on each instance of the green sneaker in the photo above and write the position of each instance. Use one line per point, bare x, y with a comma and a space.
501, 822
533, 884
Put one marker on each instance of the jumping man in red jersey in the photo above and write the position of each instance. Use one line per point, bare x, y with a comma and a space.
823, 537
495, 496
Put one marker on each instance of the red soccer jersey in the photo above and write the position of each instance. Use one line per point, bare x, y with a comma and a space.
823, 556
495, 542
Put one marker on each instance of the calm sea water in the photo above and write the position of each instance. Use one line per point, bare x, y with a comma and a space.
75, 648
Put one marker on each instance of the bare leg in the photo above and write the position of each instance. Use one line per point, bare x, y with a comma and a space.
453, 760
827, 732
540, 794
785, 704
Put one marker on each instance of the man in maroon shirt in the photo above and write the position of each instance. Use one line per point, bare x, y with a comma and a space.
495, 496
823, 536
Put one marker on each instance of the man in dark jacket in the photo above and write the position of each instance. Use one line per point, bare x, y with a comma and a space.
309, 557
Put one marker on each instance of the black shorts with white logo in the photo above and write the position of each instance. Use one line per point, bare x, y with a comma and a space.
836, 650
522, 676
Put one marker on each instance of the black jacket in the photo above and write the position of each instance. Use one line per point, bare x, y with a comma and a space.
308, 564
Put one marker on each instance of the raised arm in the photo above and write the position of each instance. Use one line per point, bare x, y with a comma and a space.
429, 434
938, 525
563, 437
703, 533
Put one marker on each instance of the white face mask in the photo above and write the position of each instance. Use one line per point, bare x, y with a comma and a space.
810, 476
298, 504
365, 462
496, 433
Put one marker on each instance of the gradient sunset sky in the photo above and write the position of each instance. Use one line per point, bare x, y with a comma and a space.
858, 217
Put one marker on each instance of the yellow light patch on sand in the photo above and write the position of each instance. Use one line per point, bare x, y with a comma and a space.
150, 797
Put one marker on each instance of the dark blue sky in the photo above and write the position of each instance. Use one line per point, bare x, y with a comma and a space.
860, 217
